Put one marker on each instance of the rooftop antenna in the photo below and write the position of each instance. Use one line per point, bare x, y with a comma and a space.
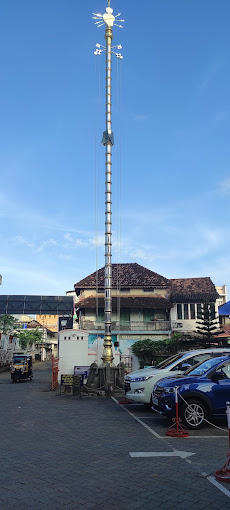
109, 20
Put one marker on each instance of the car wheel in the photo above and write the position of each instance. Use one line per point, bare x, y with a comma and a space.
193, 414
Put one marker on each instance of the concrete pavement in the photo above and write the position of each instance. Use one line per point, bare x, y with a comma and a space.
60, 452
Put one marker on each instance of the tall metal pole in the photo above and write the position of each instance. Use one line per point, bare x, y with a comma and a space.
108, 141
107, 355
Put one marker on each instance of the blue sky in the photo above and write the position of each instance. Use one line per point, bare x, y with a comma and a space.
171, 122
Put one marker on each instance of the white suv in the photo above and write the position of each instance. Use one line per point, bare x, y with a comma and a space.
139, 384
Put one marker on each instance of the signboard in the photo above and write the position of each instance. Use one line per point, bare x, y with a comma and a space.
49, 305
72, 380
65, 322
81, 370
66, 380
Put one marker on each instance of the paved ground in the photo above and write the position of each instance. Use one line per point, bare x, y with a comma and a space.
60, 452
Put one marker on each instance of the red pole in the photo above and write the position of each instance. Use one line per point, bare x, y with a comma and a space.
176, 402
228, 418
180, 430
223, 474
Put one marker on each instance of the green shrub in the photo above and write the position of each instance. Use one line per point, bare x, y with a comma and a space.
144, 350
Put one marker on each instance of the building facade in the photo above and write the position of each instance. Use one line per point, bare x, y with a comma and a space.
223, 296
48, 321
144, 305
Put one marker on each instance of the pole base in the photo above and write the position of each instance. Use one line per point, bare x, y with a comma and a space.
125, 401
223, 474
107, 378
176, 429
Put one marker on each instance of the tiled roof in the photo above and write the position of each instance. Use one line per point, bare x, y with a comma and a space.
194, 288
132, 275
225, 328
125, 276
126, 302
35, 324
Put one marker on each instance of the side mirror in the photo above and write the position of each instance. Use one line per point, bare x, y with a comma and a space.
185, 366
216, 376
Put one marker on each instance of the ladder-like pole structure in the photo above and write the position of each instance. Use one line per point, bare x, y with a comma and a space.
108, 141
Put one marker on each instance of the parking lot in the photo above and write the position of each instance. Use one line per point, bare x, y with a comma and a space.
160, 424
62, 452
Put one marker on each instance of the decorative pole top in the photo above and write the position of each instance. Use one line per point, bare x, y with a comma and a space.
107, 18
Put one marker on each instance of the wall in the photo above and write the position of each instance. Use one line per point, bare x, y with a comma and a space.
222, 291
48, 321
136, 316
80, 348
188, 325
131, 292
73, 350
8, 345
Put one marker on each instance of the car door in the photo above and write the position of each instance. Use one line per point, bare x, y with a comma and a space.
221, 388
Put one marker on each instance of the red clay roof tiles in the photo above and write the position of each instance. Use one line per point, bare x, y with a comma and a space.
127, 276
133, 275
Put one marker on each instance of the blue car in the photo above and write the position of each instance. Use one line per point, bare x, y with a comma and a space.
202, 392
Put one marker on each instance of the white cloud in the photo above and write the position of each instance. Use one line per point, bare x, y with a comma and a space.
224, 187
31, 280
218, 117
20, 240
97, 241
140, 117
209, 75
214, 237
63, 256
48, 242
68, 237
80, 243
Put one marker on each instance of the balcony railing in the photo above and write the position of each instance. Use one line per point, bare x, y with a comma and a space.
160, 325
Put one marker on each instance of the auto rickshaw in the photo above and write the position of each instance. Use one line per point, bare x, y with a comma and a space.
21, 367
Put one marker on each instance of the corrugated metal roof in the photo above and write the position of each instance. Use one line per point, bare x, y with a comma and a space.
225, 309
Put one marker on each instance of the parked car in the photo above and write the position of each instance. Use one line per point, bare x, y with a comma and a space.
139, 385
202, 392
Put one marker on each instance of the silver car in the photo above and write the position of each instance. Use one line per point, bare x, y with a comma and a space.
139, 384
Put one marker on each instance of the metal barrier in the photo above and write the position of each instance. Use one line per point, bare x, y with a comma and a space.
223, 474
54, 372
176, 429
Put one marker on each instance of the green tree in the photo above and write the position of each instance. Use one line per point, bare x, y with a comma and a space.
173, 344
145, 349
8, 325
29, 337
208, 324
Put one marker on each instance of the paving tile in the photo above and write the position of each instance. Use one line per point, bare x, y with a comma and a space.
74, 455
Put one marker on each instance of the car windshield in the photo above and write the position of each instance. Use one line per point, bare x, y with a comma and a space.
203, 367
169, 361
18, 360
